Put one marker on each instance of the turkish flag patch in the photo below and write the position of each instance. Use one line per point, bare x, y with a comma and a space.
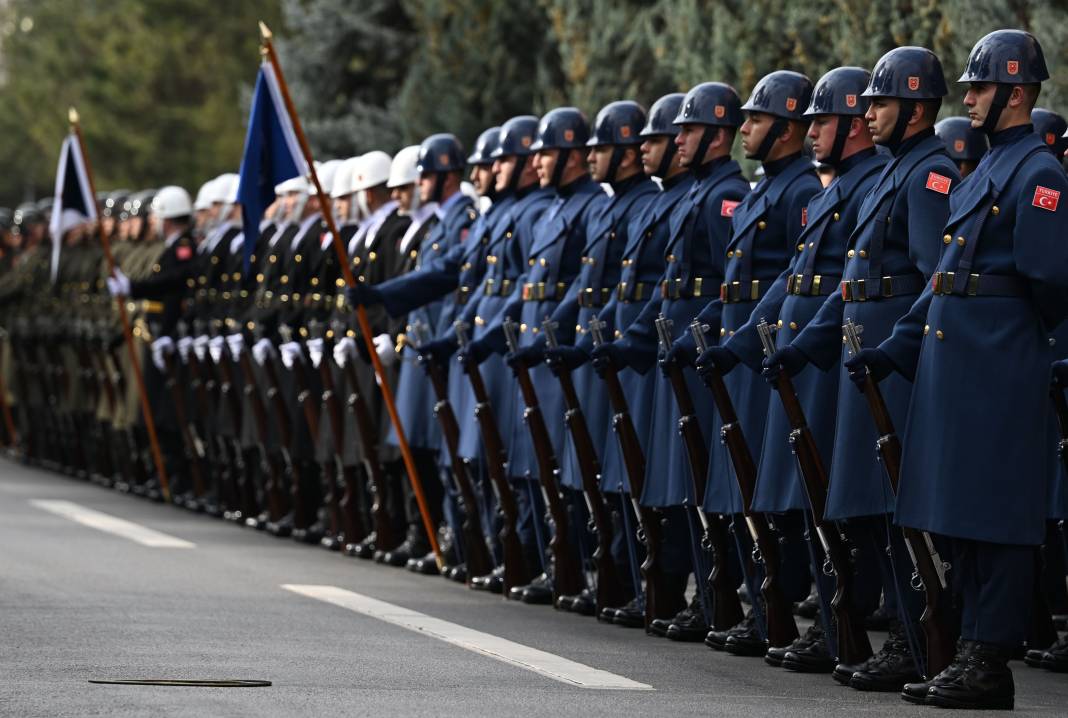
1046, 198
804, 216
184, 252
938, 183
727, 208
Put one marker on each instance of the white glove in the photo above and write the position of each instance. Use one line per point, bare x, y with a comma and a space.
216, 347
161, 348
200, 346
315, 351
291, 354
237, 345
344, 350
386, 349
185, 345
119, 284
261, 350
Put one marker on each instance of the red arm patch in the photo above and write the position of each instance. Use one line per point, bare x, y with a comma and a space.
183, 252
1046, 198
938, 183
727, 208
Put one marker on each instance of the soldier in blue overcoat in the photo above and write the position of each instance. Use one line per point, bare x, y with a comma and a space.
975, 461
697, 231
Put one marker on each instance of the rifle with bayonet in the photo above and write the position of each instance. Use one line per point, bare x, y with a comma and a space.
610, 592
649, 528
937, 621
852, 641
477, 556
726, 606
778, 610
567, 574
515, 567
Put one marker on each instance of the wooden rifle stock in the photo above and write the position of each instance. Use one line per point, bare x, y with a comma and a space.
726, 606
273, 468
567, 578
778, 611
610, 593
853, 644
515, 565
649, 529
477, 555
333, 476
196, 469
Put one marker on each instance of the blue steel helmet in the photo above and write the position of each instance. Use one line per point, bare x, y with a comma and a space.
963, 142
439, 154
618, 123
564, 128
1011, 57
840, 92
485, 146
517, 137
661, 119
908, 73
783, 93
711, 103
1051, 127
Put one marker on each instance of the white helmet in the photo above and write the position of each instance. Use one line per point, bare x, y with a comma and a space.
294, 184
171, 202
225, 188
402, 171
327, 172
204, 195
374, 168
343, 178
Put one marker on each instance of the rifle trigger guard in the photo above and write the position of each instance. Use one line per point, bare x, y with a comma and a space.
706, 542
916, 582
828, 567
591, 526
758, 558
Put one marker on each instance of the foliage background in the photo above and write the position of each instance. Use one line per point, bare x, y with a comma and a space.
163, 85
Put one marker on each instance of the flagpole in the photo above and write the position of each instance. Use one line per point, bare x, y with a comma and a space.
361, 313
135, 362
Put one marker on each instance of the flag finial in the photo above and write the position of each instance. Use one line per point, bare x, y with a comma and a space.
265, 32
72, 116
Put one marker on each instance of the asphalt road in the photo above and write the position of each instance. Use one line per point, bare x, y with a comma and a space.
78, 603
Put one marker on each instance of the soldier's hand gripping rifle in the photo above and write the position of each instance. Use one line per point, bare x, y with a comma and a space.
853, 645
477, 555
610, 593
567, 574
778, 610
515, 567
726, 607
649, 529
937, 620
386, 536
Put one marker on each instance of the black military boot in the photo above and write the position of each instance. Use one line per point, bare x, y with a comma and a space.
809, 608
411, 547
492, 582
659, 626
917, 692
364, 548
537, 592
890, 668
776, 653
984, 683
689, 628
745, 639
1055, 658
582, 603
807, 654
630, 615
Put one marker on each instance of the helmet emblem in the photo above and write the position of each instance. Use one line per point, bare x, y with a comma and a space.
851, 100
624, 131
914, 83
1013, 67
569, 135
443, 159
720, 111
526, 141
791, 104
958, 145
1050, 138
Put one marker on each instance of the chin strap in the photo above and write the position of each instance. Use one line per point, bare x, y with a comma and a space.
999, 103
613, 164
439, 187
667, 158
561, 162
517, 172
905, 109
841, 134
774, 133
707, 137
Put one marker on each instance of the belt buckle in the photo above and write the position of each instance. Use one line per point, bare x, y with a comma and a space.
698, 285
528, 290
723, 294
973, 285
815, 292
858, 290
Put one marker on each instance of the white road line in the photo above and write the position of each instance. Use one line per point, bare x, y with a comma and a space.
532, 659
111, 524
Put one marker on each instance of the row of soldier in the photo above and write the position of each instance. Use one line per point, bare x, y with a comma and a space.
611, 385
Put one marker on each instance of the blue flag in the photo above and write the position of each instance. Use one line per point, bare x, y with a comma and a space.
272, 156
74, 202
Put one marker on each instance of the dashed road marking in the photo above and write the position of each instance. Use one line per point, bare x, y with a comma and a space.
110, 524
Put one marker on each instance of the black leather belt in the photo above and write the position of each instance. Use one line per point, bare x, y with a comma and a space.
739, 292
982, 285
673, 289
820, 285
862, 290
592, 297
